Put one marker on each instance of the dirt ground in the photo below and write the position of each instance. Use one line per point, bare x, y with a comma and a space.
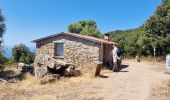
135, 81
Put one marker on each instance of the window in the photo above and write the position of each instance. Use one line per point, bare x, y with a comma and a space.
59, 49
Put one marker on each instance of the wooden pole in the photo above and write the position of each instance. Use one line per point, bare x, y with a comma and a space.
154, 52
98, 69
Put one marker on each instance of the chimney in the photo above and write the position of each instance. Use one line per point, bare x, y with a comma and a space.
106, 36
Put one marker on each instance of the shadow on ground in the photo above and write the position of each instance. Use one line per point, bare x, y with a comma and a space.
8, 75
120, 69
103, 76
11, 75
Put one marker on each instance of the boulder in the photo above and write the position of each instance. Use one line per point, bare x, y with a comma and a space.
51, 65
40, 71
20, 65
49, 61
2, 80
13, 80
72, 73
24, 68
49, 78
28, 68
137, 59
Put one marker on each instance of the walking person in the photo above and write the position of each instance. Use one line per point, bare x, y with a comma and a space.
119, 53
115, 56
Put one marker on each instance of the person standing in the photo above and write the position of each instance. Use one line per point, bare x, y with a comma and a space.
115, 56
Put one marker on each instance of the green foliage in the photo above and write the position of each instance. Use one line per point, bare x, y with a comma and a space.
165, 2
3, 60
127, 40
85, 27
75, 28
158, 29
2, 25
91, 31
21, 53
154, 34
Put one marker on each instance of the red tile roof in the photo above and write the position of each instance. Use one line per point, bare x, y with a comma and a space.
92, 38
77, 35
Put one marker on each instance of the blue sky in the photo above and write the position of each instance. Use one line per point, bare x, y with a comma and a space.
27, 20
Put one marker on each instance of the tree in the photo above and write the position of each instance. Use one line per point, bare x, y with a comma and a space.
165, 2
75, 28
2, 26
3, 60
152, 38
85, 27
91, 31
21, 53
157, 29
128, 40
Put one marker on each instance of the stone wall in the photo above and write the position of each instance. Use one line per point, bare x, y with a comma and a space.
78, 51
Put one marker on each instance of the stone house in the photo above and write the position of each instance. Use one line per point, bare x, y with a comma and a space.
74, 48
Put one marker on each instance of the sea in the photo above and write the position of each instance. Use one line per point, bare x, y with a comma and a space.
8, 51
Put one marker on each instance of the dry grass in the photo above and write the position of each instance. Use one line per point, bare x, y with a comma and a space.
132, 85
30, 80
152, 59
147, 59
30, 88
162, 92
88, 74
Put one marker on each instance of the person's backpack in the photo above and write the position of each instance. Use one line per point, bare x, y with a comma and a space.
119, 53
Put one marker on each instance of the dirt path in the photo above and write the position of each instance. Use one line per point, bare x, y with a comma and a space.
134, 82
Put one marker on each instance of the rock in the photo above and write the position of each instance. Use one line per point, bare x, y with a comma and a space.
13, 80
49, 61
2, 80
17, 71
137, 59
41, 71
10, 72
71, 73
50, 65
24, 68
20, 65
27, 68
49, 78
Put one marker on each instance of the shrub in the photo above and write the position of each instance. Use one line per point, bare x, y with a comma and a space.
21, 53
3, 60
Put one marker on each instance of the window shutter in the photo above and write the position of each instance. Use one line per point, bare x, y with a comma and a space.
59, 49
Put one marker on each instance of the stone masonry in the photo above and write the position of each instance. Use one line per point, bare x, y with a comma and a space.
78, 51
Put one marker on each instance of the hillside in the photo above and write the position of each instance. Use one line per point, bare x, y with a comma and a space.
127, 40
154, 35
